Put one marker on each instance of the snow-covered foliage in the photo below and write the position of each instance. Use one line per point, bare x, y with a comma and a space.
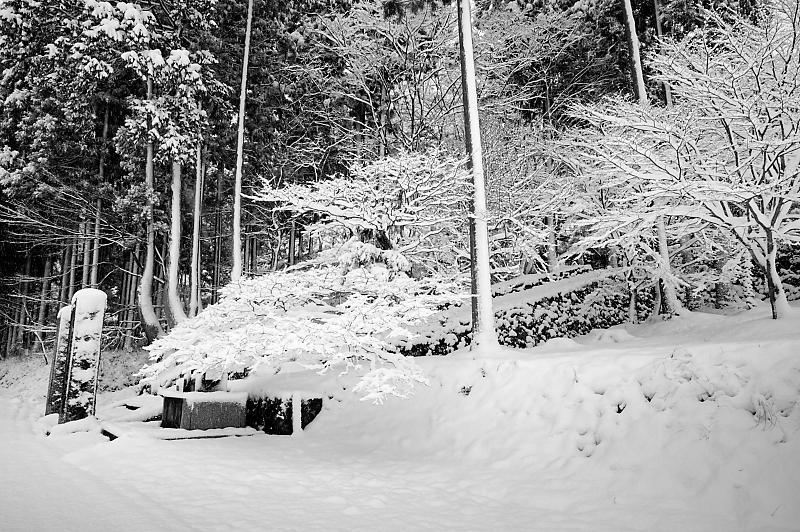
416, 201
343, 309
533, 309
728, 152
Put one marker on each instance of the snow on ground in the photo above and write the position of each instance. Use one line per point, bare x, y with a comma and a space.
691, 424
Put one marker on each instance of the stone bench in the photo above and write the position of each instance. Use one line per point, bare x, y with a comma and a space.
203, 410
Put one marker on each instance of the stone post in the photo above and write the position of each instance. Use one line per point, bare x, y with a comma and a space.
89, 307
61, 362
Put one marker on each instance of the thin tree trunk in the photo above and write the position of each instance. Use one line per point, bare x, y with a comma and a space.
254, 254
657, 303
660, 34
22, 315
277, 253
671, 303
779, 303
100, 178
87, 255
162, 275
552, 244
633, 315
299, 238
150, 324
198, 207
247, 242
384, 119
65, 270
292, 240
218, 235
96, 246
72, 269
42, 318
236, 270
173, 297
125, 312
635, 58
483, 329
131, 299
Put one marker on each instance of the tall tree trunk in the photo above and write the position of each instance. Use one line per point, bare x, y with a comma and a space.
125, 311
194, 298
87, 254
634, 56
552, 244
65, 270
671, 303
660, 34
162, 275
299, 245
96, 245
779, 303
236, 270
247, 242
72, 269
254, 254
100, 179
384, 119
41, 320
22, 313
173, 297
277, 253
218, 235
131, 299
150, 324
633, 315
483, 329
292, 241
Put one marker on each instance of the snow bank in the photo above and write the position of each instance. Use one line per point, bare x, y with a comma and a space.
204, 397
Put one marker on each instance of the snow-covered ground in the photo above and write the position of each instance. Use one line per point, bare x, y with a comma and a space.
692, 424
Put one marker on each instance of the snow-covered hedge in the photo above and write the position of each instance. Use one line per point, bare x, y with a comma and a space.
534, 308
342, 309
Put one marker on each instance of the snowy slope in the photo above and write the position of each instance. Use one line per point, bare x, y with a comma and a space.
691, 424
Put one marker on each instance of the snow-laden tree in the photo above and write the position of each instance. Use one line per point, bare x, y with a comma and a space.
728, 151
412, 203
339, 311
168, 121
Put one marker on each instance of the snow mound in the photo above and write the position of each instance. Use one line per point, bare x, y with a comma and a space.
609, 336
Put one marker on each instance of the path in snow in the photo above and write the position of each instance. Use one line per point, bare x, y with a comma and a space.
277, 483
39, 490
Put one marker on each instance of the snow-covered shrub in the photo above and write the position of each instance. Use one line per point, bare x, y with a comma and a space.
342, 309
536, 308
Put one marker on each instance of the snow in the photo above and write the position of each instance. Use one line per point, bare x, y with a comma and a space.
687, 424
205, 397
153, 431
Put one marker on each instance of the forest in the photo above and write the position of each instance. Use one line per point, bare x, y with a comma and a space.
161, 150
